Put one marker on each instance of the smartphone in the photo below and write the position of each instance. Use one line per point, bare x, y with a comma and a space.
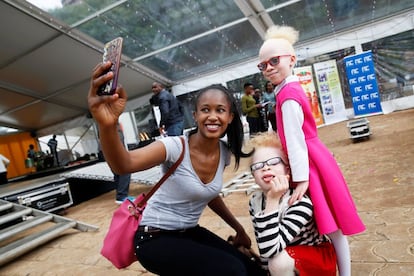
112, 53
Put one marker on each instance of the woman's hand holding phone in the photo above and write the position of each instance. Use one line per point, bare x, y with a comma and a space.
105, 110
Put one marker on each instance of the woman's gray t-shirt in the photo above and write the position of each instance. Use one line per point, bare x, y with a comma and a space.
180, 200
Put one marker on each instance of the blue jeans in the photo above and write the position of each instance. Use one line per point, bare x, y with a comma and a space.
254, 125
176, 129
122, 185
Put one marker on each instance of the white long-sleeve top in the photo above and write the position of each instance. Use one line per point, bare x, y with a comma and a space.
295, 138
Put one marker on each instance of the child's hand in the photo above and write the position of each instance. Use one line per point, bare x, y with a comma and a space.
280, 184
299, 191
279, 187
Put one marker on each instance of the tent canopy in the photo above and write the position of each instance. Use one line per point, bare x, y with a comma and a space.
46, 56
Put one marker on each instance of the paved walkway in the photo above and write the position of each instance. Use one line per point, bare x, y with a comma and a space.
380, 174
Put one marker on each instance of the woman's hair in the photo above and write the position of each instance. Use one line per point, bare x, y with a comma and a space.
282, 32
234, 131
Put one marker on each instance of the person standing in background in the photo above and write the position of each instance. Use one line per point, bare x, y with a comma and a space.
31, 153
4, 163
53, 148
172, 116
122, 181
250, 108
258, 96
269, 96
31, 161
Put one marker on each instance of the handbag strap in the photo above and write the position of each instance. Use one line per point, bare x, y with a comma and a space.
165, 176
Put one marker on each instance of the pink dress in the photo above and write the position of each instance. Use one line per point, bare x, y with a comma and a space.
333, 205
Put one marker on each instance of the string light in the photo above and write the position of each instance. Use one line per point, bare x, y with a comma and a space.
328, 15
282, 19
192, 8
373, 10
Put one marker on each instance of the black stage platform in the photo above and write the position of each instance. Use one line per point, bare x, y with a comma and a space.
62, 187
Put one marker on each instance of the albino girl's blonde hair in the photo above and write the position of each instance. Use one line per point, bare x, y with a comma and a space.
267, 139
282, 32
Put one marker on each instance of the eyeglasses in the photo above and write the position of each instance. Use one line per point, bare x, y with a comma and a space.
270, 162
272, 61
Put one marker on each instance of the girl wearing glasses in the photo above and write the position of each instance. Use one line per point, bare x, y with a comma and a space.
312, 164
288, 240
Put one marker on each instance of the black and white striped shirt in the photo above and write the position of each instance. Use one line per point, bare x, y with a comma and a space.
286, 226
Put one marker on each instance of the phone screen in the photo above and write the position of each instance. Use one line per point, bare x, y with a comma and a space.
112, 53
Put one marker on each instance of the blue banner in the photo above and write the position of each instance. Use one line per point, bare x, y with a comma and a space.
362, 83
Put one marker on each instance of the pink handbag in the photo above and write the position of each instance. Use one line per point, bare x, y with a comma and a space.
118, 245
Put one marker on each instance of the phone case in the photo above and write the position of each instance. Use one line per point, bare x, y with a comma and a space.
112, 52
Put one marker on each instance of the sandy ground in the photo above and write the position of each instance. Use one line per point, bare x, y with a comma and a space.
380, 175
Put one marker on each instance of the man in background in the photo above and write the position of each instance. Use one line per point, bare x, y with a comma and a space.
269, 96
53, 148
122, 181
250, 108
4, 162
172, 117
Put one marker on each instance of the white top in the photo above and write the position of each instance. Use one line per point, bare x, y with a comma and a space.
3, 163
295, 138
179, 202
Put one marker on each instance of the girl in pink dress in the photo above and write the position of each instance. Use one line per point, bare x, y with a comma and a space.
312, 164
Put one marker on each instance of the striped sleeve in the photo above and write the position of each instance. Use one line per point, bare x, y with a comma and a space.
289, 225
